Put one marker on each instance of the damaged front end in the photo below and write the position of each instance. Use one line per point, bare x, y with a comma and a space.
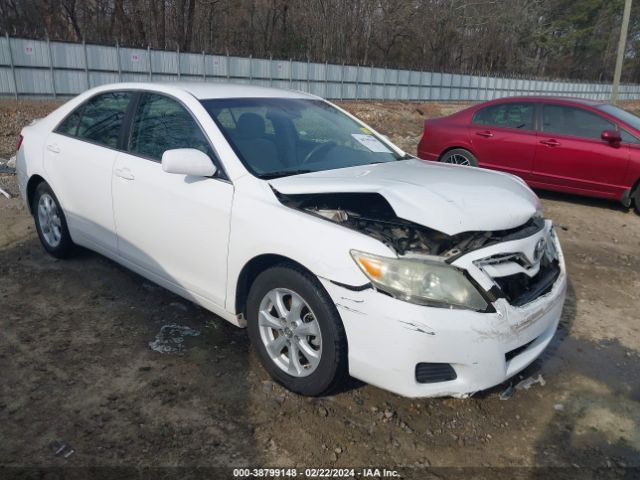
371, 214
426, 270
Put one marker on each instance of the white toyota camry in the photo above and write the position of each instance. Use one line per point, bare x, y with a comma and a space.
278, 211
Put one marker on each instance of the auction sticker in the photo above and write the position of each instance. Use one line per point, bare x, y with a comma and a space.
371, 142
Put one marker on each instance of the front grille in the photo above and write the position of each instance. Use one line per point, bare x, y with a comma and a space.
434, 372
520, 289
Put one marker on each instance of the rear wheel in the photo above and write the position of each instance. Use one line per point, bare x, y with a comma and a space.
51, 223
296, 330
459, 156
636, 199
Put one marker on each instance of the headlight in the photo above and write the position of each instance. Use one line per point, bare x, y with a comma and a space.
420, 281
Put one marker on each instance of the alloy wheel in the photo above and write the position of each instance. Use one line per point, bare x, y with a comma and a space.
290, 332
49, 219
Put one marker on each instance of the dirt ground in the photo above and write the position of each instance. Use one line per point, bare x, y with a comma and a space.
77, 368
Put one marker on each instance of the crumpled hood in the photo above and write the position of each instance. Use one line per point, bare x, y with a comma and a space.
448, 198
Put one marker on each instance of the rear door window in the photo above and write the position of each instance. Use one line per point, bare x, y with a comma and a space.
102, 118
573, 121
516, 115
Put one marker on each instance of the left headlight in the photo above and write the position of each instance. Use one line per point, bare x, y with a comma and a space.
420, 281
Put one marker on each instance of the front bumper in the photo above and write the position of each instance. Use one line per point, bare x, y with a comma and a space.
388, 337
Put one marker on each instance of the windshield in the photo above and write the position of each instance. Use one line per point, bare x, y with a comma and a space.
622, 115
276, 137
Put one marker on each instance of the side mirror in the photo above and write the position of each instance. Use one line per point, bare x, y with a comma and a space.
611, 136
188, 161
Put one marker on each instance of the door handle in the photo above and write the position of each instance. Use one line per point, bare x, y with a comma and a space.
52, 147
124, 173
550, 143
485, 133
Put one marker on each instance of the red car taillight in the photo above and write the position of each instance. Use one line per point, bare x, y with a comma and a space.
20, 138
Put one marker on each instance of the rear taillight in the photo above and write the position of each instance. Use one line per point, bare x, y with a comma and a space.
20, 138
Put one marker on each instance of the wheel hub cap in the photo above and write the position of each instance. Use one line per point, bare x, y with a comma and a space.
290, 332
49, 219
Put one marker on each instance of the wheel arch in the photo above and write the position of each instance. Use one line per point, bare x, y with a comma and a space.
462, 147
32, 184
633, 194
252, 269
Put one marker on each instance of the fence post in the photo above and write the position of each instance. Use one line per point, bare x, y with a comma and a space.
13, 70
178, 60
290, 73
357, 75
149, 62
271, 70
53, 80
251, 68
397, 84
326, 78
204, 67
342, 82
308, 75
86, 64
384, 83
371, 83
119, 61
228, 67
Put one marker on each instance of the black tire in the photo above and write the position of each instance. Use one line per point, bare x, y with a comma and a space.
459, 156
333, 365
65, 245
636, 199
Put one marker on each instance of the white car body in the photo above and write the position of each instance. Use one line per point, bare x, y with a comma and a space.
195, 237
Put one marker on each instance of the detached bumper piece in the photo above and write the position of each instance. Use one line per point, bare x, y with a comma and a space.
434, 372
520, 289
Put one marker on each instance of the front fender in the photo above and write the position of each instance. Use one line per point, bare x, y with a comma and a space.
261, 225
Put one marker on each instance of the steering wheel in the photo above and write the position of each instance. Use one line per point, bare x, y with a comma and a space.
323, 147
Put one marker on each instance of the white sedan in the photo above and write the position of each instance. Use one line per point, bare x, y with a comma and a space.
278, 211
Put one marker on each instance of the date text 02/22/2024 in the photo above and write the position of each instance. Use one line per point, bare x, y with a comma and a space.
315, 473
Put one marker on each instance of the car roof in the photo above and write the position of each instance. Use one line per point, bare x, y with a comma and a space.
210, 90
546, 98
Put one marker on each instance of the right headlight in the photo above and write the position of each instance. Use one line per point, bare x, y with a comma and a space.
420, 281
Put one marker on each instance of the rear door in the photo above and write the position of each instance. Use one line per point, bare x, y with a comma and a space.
571, 155
171, 226
79, 159
503, 137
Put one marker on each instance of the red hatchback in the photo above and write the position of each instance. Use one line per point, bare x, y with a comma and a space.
571, 145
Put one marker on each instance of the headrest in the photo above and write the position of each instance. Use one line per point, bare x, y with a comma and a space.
250, 126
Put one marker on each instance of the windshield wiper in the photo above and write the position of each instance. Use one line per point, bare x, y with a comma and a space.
283, 173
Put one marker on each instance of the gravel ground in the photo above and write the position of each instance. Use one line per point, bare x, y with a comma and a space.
77, 368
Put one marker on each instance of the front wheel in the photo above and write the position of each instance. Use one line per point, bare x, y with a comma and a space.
296, 330
460, 156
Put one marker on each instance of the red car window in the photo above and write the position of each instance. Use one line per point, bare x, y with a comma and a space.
506, 115
576, 122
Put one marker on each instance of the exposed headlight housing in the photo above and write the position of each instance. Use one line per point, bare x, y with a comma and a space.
425, 282
539, 210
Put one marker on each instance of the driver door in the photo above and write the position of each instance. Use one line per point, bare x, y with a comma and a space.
173, 228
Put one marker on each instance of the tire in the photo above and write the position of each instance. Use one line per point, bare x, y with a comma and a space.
636, 199
51, 223
321, 364
460, 156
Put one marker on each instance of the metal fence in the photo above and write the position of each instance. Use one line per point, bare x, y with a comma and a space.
33, 68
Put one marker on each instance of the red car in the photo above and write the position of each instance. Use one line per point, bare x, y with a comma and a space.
570, 145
